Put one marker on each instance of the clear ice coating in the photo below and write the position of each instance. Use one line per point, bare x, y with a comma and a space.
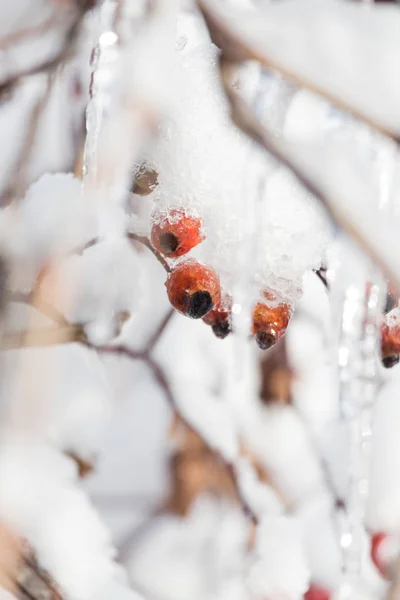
358, 292
104, 56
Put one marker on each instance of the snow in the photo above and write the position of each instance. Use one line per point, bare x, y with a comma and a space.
168, 111
278, 550
48, 515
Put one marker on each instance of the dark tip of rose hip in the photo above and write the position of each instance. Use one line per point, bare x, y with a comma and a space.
222, 329
168, 242
390, 361
390, 303
265, 340
200, 303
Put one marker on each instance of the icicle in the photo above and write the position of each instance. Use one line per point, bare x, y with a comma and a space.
103, 59
358, 292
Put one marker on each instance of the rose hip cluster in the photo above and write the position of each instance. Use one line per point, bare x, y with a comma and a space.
194, 289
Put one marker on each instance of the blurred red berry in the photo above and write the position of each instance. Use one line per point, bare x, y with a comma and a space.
193, 289
270, 322
317, 593
390, 343
175, 233
377, 556
220, 318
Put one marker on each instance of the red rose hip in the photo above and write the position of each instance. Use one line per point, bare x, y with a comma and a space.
270, 323
390, 343
193, 289
220, 318
175, 233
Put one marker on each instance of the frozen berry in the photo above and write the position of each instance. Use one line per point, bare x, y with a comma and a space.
175, 233
390, 361
270, 323
193, 289
220, 318
317, 593
390, 343
146, 180
384, 553
391, 302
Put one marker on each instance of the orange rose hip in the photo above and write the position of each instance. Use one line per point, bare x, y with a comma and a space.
270, 323
390, 344
220, 318
174, 233
193, 289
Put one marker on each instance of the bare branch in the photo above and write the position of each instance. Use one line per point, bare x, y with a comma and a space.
16, 185
43, 337
158, 333
39, 303
162, 380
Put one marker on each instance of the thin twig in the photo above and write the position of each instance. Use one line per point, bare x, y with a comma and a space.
43, 337
16, 185
48, 64
134, 237
159, 331
162, 380
119, 350
321, 274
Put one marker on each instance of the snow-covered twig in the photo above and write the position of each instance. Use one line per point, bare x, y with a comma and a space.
277, 38
16, 184
371, 233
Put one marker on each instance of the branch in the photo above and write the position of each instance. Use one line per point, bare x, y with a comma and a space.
44, 337
363, 231
321, 274
134, 237
48, 64
16, 184
237, 46
162, 380
35, 300
158, 333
